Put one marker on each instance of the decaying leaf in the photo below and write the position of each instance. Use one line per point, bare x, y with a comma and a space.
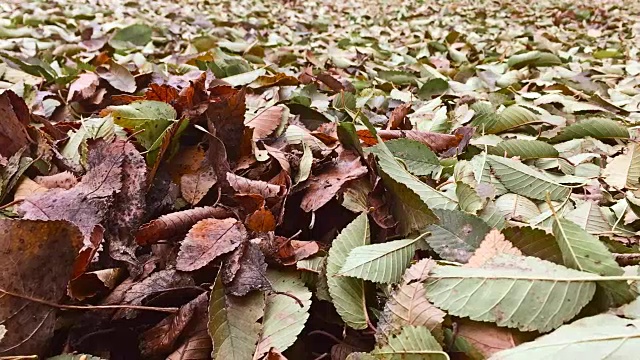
207, 240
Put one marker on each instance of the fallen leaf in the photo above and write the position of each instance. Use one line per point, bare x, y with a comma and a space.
251, 274
83, 88
28, 271
396, 120
266, 121
324, 186
226, 114
248, 186
86, 204
435, 141
13, 129
493, 244
177, 223
117, 76
207, 240
160, 339
262, 220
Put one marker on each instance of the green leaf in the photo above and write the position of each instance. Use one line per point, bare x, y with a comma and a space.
397, 77
534, 242
457, 235
524, 149
524, 180
233, 322
599, 337
381, 263
416, 156
284, 316
533, 58
583, 251
412, 343
492, 216
432, 87
624, 170
136, 35
608, 54
344, 100
468, 199
588, 216
512, 117
348, 294
430, 196
513, 291
597, 128
517, 207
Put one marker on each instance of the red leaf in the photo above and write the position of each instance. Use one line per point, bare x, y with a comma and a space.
262, 220
207, 240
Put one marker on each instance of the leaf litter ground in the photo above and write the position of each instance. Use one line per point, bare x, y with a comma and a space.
308, 180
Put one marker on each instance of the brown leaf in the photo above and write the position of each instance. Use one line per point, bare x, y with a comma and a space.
487, 338
304, 249
251, 274
83, 88
279, 79
419, 271
396, 120
207, 240
86, 204
231, 263
323, 187
160, 339
341, 351
177, 223
274, 354
464, 134
197, 344
266, 121
13, 123
93, 283
367, 137
117, 76
129, 206
28, 267
226, 114
157, 282
248, 186
436, 141
164, 93
194, 186
63, 180
280, 157
167, 139
331, 82
262, 220
493, 244
26, 188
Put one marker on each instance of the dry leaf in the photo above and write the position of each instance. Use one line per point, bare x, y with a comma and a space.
493, 244
207, 240
251, 274
14, 115
262, 220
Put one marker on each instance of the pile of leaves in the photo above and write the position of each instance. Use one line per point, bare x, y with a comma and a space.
259, 179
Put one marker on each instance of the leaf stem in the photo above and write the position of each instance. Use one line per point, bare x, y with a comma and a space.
89, 307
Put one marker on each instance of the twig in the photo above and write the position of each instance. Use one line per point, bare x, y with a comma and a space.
14, 202
289, 295
627, 259
90, 307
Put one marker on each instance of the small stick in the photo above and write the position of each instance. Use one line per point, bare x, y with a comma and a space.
291, 296
90, 307
14, 202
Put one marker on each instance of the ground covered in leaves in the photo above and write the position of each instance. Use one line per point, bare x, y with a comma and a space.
260, 179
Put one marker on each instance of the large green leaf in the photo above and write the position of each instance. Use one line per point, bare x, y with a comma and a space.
284, 316
600, 337
348, 293
524, 149
382, 263
585, 252
416, 156
136, 35
233, 322
513, 117
412, 343
598, 128
150, 117
524, 180
457, 235
513, 291
396, 172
